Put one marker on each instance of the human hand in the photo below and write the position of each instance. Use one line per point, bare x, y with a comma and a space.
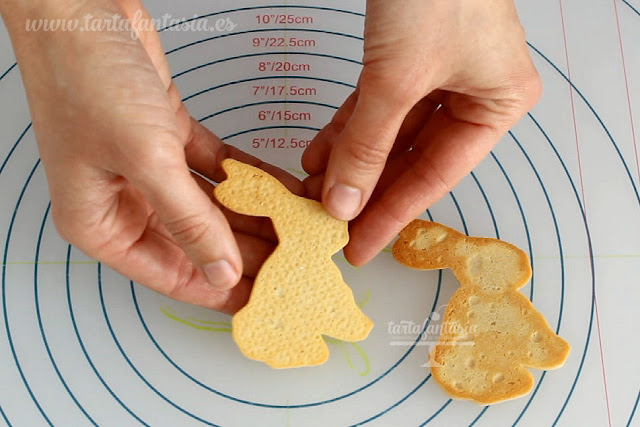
117, 143
442, 82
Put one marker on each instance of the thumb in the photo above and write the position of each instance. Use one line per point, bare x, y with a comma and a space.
192, 220
360, 152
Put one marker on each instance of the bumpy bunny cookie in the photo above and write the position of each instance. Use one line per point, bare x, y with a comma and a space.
299, 294
491, 332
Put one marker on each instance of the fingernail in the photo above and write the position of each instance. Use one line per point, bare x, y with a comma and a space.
220, 274
343, 201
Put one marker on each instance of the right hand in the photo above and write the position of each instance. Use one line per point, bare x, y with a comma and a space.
117, 144
442, 82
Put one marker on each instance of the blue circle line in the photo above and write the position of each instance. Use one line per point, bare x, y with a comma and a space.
457, 205
13, 148
73, 319
233, 135
553, 217
562, 270
524, 219
262, 30
4, 297
514, 192
593, 284
274, 406
4, 164
615, 144
476, 419
438, 413
584, 217
4, 416
434, 415
633, 411
254, 104
8, 70
37, 303
591, 260
254, 55
126, 358
632, 8
250, 8
486, 200
497, 231
635, 406
399, 402
288, 77
84, 350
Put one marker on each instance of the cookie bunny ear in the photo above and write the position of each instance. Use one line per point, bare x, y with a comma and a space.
249, 190
426, 245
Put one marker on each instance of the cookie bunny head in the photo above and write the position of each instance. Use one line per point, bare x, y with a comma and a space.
249, 190
491, 265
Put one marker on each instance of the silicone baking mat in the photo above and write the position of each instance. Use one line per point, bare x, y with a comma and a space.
81, 345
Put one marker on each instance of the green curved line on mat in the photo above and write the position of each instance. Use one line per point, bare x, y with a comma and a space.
366, 299
343, 259
288, 414
299, 172
387, 250
345, 352
193, 319
227, 328
365, 358
191, 324
204, 322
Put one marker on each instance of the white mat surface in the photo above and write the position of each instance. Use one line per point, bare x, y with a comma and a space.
80, 345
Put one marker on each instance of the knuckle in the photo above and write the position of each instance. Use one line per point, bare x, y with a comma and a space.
366, 155
93, 241
396, 92
64, 225
533, 88
157, 160
188, 230
528, 88
145, 161
428, 176
184, 276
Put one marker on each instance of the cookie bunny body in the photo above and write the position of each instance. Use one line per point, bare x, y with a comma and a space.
491, 332
299, 294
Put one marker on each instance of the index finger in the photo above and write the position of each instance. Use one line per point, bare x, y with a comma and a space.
447, 150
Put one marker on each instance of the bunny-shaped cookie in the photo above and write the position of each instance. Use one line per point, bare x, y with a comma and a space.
299, 294
491, 332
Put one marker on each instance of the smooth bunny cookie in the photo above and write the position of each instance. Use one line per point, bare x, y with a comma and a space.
491, 332
299, 294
